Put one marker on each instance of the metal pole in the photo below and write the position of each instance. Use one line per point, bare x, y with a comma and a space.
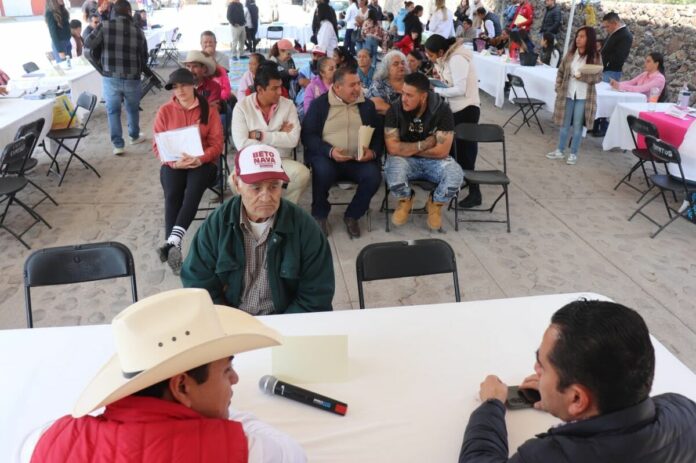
570, 26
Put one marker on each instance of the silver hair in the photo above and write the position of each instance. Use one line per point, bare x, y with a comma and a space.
382, 71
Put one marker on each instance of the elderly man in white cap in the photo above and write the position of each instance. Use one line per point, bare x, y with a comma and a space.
259, 252
168, 389
203, 68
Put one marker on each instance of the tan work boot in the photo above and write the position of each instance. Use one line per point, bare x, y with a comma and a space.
402, 211
434, 214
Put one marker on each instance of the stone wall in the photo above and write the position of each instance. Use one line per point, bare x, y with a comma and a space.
668, 29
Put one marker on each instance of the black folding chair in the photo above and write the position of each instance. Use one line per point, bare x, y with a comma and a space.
153, 55
88, 102
16, 152
77, 264
529, 107
273, 33
663, 152
20, 169
400, 259
646, 129
483, 133
30, 67
170, 50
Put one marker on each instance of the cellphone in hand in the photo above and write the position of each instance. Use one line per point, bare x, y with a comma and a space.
519, 399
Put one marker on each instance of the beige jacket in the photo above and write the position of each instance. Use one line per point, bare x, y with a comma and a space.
456, 68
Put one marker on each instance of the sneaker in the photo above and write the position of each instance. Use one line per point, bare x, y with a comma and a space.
174, 260
119, 151
572, 159
163, 251
434, 214
556, 154
402, 211
141, 138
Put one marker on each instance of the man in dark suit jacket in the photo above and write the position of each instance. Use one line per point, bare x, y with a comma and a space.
616, 47
330, 137
594, 371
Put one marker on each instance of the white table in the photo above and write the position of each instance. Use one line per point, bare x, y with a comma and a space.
414, 377
492, 71
15, 112
300, 32
81, 78
156, 36
540, 82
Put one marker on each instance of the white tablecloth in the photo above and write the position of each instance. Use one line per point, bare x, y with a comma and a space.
618, 135
157, 36
540, 82
414, 377
300, 32
81, 78
15, 112
492, 73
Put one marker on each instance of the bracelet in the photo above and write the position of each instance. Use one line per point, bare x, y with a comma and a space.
419, 146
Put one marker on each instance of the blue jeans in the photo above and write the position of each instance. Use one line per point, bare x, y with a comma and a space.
575, 116
371, 45
326, 172
65, 46
116, 90
445, 172
608, 75
348, 41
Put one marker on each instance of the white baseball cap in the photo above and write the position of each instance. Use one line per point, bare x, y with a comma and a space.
257, 163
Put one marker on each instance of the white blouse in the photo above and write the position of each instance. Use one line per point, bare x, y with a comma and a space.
577, 89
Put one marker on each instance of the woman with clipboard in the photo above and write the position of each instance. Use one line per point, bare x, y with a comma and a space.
184, 175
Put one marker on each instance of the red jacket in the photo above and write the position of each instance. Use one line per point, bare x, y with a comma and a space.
405, 45
174, 116
143, 429
527, 11
223, 81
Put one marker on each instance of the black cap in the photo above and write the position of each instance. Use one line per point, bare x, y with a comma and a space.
180, 76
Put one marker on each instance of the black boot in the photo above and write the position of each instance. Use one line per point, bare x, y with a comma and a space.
473, 199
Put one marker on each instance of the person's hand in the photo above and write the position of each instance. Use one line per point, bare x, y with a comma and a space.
287, 126
614, 84
62, 55
303, 81
493, 388
292, 72
578, 75
368, 155
338, 155
187, 162
532, 382
3, 90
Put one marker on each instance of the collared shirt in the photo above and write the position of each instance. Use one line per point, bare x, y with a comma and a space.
256, 293
124, 48
577, 89
267, 116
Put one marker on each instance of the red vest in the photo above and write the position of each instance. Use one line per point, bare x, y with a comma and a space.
143, 429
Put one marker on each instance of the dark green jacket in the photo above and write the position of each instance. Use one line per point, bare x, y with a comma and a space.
300, 267
58, 32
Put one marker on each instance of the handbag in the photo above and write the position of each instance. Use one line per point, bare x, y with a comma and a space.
356, 35
528, 59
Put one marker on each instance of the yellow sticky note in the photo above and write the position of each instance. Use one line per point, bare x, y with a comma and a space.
311, 359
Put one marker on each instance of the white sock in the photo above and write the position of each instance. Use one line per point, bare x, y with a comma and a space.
177, 236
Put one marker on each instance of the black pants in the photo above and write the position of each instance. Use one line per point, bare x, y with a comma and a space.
251, 40
183, 190
466, 151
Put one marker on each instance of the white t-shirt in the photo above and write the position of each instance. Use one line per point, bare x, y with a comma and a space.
351, 14
442, 23
326, 37
576, 88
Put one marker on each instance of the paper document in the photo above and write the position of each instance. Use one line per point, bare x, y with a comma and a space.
364, 137
172, 144
520, 19
311, 359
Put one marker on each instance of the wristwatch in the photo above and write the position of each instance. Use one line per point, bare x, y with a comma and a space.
258, 135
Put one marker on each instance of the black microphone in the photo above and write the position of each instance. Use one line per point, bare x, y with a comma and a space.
272, 385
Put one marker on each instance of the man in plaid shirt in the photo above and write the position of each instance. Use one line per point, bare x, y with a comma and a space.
123, 50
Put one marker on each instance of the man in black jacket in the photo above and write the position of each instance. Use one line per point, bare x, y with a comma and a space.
330, 137
552, 19
594, 371
235, 16
617, 46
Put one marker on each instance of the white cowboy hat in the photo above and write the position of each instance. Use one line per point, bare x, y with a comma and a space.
168, 334
195, 56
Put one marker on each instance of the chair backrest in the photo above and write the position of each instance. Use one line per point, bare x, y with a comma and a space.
35, 128
88, 102
482, 133
400, 259
662, 151
641, 127
172, 38
16, 153
30, 67
517, 82
77, 264
274, 32
152, 54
